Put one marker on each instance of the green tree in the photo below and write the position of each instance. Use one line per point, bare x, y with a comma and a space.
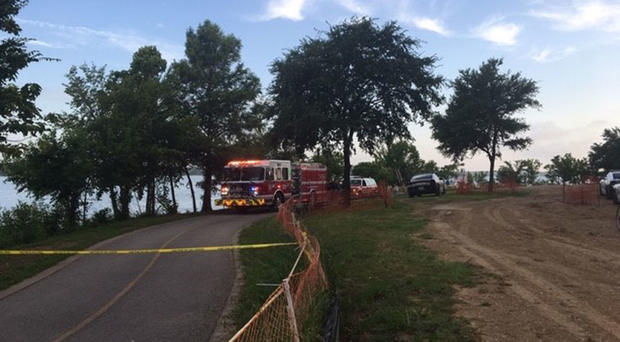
606, 155
139, 97
449, 171
332, 161
218, 90
479, 176
357, 81
509, 172
18, 112
480, 115
110, 132
134, 135
375, 170
568, 169
430, 167
56, 166
403, 159
529, 170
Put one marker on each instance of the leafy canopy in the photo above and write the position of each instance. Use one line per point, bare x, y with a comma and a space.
480, 115
214, 87
606, 155
567, 168
360, 79
18, 112
357, 81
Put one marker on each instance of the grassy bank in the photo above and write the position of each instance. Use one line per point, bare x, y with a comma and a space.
15, 268
390, 287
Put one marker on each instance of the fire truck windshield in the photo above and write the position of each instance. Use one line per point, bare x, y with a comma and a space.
232, 174
252, 174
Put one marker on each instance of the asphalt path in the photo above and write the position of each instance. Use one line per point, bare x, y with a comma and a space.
145, 297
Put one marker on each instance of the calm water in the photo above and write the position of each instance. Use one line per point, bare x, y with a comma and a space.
9, 197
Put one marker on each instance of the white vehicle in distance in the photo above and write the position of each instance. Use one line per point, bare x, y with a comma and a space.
607, 184
363, 187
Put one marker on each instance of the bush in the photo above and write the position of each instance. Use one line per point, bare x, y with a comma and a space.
103, 216
27, 223
169, 207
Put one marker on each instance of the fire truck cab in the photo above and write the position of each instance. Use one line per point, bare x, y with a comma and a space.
252, 183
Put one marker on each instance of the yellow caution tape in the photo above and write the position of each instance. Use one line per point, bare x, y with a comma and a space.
147, 251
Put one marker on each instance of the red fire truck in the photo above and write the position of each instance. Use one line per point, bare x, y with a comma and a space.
253, 183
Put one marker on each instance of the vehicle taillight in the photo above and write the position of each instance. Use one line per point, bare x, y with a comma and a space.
224, 191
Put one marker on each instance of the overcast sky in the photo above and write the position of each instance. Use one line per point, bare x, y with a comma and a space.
572, 49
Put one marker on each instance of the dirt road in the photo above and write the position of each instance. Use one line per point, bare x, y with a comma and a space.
554, 269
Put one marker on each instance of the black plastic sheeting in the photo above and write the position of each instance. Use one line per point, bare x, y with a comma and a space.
331, 325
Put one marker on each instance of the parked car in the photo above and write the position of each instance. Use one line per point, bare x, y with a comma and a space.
363, 187
607, 184
426, 183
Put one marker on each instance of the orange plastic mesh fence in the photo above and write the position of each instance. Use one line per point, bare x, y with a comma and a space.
273, 321
586, 193
280, 319
462, 187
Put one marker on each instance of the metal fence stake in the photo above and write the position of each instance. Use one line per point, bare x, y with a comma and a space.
290, 310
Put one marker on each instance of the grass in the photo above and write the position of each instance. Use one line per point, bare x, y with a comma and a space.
264, 267
15, 268
390, 287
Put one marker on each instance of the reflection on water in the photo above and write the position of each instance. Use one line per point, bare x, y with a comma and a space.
9, 197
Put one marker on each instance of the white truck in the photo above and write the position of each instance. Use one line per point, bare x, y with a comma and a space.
610, 186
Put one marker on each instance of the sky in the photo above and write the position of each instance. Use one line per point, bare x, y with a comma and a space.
571, 48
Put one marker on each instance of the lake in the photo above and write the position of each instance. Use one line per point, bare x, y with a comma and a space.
9, 197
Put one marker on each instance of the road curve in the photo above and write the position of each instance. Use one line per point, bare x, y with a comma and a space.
151, 297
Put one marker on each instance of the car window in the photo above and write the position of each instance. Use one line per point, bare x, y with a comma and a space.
231, 174
269, 173
422, 176
356, 182
285, 173
252, 173
616, 175
363, 182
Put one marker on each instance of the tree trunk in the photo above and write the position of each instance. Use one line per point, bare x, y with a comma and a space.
85, 207
346, 184
492, 156
71, 211
206, 187
154, 199
174, 198
150, 198
491, 173
125, 199
399, 177
114, 201
191, 188
563, 191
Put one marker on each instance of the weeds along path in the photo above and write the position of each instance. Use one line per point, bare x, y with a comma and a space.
554, 269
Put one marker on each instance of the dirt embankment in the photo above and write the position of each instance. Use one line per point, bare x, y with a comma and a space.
554, 268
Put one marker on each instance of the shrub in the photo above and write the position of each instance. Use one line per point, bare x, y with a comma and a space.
169, 207
103, 216
26, 223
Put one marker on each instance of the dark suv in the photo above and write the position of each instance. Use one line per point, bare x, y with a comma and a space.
426, 183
